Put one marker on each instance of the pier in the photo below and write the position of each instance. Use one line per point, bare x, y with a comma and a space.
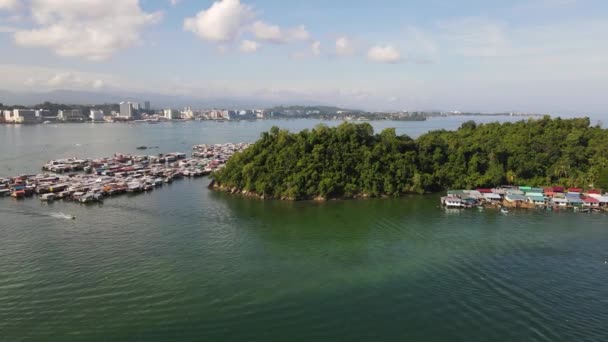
92, 180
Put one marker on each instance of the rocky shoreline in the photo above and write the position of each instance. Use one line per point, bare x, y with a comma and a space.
215, 186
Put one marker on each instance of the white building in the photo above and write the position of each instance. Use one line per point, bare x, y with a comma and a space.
8, 115
20, 116
70, 115
96, 115
135, 105
126, 110
171, 114
188, 113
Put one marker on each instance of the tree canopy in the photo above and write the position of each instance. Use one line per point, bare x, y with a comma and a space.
351, 161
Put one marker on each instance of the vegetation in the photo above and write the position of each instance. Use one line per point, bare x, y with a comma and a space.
351, 161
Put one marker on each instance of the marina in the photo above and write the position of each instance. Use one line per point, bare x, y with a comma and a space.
526, 197
93, 180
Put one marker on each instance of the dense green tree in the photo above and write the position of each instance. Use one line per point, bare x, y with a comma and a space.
351, 161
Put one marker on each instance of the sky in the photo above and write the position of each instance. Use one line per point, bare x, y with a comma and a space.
548, 56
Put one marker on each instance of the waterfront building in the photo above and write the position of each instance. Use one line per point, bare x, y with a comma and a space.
43, 113
20, 116
7, 115
70, 115
260, 114
96, 115
126, 110
187, 114
171, 114
228, 114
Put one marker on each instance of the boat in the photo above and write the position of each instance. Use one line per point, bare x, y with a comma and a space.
18, 194
48, 197
504, 211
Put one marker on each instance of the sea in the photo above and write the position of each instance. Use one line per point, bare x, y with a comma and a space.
182, 263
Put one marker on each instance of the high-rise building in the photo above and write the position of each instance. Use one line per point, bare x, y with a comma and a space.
96, 115
126, 110
171, 114
135, 105
147, 105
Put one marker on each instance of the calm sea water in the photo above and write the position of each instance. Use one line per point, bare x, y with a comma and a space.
182, 263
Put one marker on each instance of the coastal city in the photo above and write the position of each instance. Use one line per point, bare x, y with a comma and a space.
144, 112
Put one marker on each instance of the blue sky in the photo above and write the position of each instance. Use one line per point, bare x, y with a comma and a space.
533, 55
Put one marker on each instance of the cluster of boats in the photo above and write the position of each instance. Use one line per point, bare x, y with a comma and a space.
218, 151
92, 180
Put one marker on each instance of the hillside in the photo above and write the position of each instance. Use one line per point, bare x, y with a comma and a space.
351, 161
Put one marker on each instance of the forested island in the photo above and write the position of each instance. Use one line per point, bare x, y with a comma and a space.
350, 161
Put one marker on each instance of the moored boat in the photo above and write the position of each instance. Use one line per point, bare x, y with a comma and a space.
48, 197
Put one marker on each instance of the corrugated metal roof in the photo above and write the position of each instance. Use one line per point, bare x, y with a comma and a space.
491, 196
514, 197
537, 198
534, 194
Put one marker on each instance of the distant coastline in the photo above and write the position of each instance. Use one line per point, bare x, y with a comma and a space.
126, 112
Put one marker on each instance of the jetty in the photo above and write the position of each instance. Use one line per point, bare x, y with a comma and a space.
92, 180
527, 197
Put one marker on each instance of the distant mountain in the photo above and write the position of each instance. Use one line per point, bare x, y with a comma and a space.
156, 100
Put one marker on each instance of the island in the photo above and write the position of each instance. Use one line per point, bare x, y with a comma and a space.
351, 161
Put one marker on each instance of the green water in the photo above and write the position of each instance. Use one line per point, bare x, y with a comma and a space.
185, 264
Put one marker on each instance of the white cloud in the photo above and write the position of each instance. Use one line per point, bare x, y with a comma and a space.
384, 54
275, 34
316, 48
249, 46
222, 22
344, 46
98, 84
8, 4
226, 20
267, 32
174, 2
93, 29
7, 29
298, 33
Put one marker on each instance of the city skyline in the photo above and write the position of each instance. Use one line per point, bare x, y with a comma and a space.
539, 55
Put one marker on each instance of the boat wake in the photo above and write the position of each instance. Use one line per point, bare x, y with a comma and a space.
62, 216
57, 215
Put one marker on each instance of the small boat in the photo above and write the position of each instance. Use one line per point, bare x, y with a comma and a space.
504, 211
480, 208
48, 197
18, 194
